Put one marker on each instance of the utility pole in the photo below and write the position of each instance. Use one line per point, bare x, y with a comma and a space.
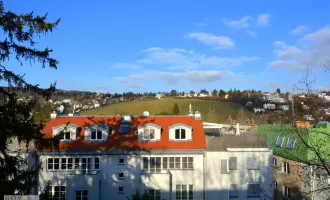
273, 85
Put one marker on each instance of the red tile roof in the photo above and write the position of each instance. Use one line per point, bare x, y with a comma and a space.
129, 141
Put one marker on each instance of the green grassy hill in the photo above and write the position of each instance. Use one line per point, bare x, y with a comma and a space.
212, 111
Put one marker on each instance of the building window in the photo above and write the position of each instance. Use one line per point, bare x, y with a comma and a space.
286, 192
286, 168
120, 189
85, 165
165, 163
252, 163
149, 134
81, 194
279, 141
275, 185
120, 175
233, 192
96, 134
224, 166
124, 128
184, 192
57, 192
274, 162
152, 164
154, 194
233, 163
96, 163
253, 191
66, 135
290, 143
121, 161
187, 162
180, 134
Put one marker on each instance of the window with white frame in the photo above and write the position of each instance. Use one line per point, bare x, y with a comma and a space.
233, 191
286, 191
187, 162
81, 194
66, 135
274, 162
252, 163
67, 132
120, 189
184, 192
180, 134
57, 192
154, 194
165, 163
275, 184
253, 191
152, 164
149, 134
96, 134
85, 165
285, 167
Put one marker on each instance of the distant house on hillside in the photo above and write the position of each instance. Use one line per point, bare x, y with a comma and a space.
159, 96
97, 104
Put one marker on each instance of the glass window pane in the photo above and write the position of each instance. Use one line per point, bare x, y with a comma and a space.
99, 134
224, 166
183, 134
93, 136
233, 163
177, 134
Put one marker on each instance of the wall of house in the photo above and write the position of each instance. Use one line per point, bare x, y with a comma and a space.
104, 183
242, 176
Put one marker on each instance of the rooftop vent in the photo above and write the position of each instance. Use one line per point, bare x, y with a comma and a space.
145, 113
126, 118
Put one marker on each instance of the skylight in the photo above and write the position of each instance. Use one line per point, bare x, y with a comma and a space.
290, 143
124, 128
279, 141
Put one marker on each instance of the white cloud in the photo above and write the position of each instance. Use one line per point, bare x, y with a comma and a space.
299, 30
251, 33
218, 42
193, 76
263, 19
125, 66
181, 59
241, 23
121, 79
201, 24
313, 51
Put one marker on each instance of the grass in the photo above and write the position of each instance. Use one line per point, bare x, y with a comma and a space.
211, 111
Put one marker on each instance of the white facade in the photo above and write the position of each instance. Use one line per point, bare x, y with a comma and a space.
104, 183
241, 176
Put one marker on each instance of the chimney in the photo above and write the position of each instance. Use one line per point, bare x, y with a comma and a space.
53, 115
191, 112
198, 115
237, 129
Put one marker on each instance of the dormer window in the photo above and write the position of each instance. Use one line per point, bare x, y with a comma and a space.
180, 134
149, 134
96, 134
68, 132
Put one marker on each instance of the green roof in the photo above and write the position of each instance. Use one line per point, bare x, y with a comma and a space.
318, 137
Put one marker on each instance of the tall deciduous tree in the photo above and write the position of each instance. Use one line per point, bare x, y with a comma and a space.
16, 120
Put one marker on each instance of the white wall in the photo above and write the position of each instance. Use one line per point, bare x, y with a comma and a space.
105, 182
218, 185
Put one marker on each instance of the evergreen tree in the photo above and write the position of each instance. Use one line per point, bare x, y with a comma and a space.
175, 109
214, 93
16, 120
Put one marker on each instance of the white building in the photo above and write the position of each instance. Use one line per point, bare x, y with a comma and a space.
112, 157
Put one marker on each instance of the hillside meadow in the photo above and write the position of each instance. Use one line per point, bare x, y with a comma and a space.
211, 111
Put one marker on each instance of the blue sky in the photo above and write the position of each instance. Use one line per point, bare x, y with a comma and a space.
120, 46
